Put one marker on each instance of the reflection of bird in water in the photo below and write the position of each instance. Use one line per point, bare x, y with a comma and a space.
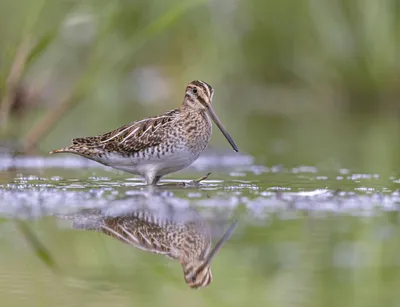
178, 233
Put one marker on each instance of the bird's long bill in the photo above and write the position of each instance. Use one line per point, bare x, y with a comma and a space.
221, 242
216, 120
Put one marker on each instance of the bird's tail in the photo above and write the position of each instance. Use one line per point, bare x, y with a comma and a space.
69, 149
80, 146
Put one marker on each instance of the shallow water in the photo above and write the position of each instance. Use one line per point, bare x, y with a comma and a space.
306, 235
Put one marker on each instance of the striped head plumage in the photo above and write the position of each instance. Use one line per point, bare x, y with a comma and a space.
197, 272
198, 96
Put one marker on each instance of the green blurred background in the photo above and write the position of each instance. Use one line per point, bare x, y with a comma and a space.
318, 78
297, 82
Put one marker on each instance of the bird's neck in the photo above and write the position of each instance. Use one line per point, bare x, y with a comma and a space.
188, 105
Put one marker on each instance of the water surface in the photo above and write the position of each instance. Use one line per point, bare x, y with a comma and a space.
306, 235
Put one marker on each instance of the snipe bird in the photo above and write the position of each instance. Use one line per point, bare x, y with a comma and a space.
160, 145
186, 239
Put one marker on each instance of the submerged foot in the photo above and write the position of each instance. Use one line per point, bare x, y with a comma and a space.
191, 184
195, 183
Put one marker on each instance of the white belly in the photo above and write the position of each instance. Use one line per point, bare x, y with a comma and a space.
160, 166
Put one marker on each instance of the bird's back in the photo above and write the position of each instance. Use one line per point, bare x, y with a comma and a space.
133, 137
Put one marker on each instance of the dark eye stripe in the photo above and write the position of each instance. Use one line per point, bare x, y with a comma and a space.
204, 86
201, 99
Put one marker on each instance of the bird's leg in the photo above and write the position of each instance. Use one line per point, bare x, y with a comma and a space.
196, 183
151, 178
156, 180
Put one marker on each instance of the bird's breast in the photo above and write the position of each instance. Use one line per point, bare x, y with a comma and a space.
197, 132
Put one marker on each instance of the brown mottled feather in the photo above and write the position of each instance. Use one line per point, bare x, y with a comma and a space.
132, 137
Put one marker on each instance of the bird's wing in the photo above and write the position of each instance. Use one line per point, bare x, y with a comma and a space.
133, 137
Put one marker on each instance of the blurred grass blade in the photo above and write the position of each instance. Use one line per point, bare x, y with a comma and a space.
40, 250
40, 46
169, 18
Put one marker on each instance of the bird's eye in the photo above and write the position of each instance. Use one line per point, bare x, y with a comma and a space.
194, 91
